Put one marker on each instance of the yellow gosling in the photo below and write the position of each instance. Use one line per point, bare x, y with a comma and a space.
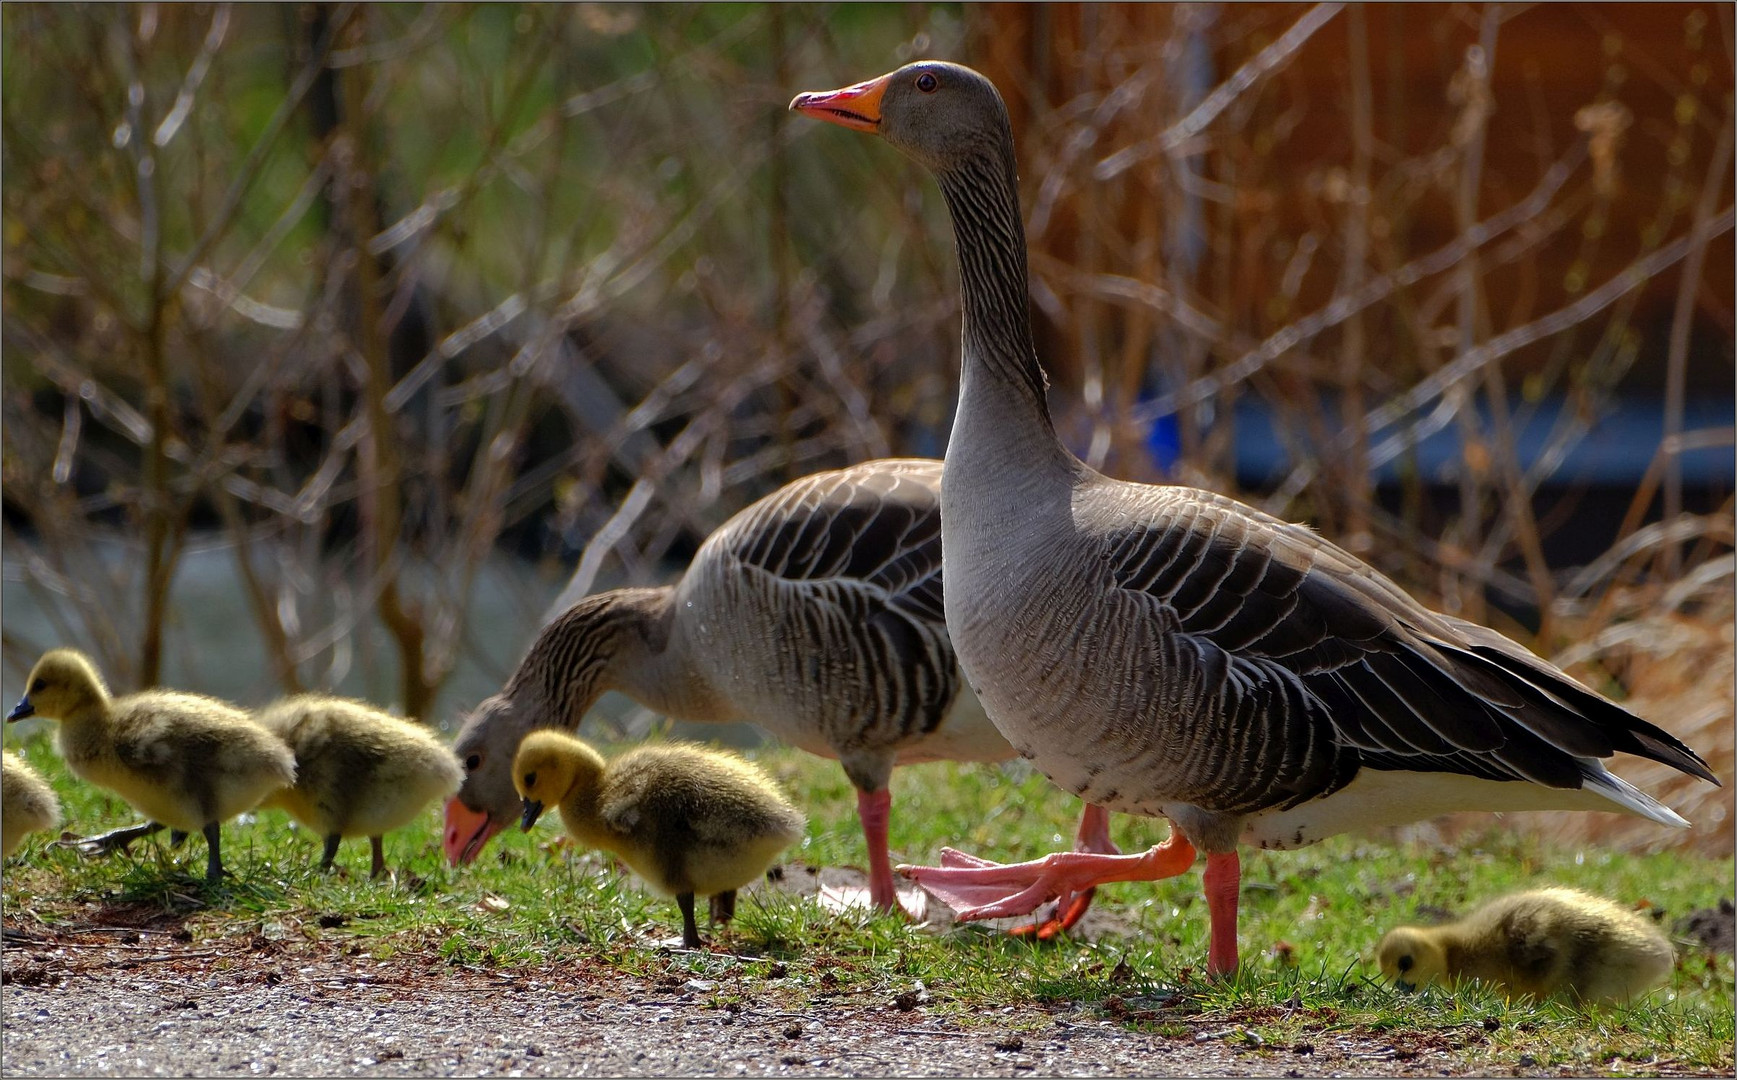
1536, 943
27, 803
686, 819
359, 772
185, 761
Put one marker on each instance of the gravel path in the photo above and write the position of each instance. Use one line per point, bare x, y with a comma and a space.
132, 1004
151, 1006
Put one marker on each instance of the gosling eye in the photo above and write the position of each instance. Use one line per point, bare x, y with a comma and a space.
1405, 963
39, 686
927, 83
473, 763
530, 779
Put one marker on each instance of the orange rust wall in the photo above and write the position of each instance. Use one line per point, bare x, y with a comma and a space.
1550, 61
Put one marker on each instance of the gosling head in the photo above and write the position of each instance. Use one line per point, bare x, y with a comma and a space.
547, 767
63, 682
1411, 957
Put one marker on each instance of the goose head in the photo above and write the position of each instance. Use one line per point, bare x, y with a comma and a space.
546, 769
1411, 957
62, 684
944, 116
485, 803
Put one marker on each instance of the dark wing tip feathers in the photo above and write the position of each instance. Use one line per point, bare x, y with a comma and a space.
1396, 687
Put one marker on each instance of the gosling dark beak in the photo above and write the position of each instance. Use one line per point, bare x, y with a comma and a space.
1405, 986
857, 107
21, 710
533, 811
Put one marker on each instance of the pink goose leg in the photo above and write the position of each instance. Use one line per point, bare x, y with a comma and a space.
1093, 836
1223, 881
875, 807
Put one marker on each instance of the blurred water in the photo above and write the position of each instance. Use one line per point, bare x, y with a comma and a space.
213, 645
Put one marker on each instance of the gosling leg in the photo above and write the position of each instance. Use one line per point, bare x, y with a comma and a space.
379, 846
690, 929
331, 851
177, 837
724, 907
112, 841
213, 853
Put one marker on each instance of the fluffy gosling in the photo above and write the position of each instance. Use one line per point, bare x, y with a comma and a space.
686, 819
359, 772
27, 803
1538, 943
182, 760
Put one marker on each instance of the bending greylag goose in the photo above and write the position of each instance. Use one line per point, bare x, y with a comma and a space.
1171, 652
1536, 943
183, 760
686, 819
815, 612
359, 771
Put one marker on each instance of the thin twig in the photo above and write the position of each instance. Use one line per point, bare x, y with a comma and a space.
1269, 58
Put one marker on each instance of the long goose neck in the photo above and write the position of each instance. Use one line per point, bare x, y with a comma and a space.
982, 195
618, 640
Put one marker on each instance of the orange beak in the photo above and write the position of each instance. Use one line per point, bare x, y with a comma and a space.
857, 107
466, 831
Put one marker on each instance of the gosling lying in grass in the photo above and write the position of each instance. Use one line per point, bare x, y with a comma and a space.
1538, 943
686, 819
359, 772
182, 760
27, 803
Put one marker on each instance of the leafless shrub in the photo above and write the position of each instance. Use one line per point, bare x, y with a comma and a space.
360, 295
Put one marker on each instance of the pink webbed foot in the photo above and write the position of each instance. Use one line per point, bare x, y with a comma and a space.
1093, 836
979, 889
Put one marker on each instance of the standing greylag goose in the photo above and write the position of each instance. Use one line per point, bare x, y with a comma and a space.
1171, 652
183, 760
815, 612
689, 820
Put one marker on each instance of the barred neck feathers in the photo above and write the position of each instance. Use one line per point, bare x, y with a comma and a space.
603, 642
982, 195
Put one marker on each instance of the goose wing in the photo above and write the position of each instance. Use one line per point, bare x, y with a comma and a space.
850, 562
1312, 663
876, 525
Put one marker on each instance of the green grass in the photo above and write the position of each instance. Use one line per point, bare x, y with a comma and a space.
1309, 920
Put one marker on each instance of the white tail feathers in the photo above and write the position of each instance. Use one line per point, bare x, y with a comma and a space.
1620, 791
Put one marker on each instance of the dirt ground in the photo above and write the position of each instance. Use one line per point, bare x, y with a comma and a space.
129, 1002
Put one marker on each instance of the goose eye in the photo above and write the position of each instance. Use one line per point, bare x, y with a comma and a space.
926, 82
39, 686
473, 763
530, 779
1405, 963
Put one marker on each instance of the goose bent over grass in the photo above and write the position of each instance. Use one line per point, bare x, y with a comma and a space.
815, 612
1536, 943
688, 820
359, 772
183, 760
1167, 651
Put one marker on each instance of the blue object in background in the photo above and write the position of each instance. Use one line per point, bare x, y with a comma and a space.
1615, 450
